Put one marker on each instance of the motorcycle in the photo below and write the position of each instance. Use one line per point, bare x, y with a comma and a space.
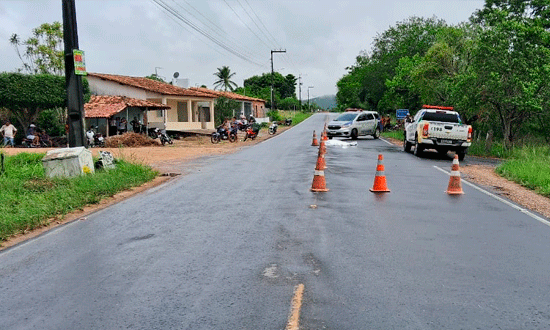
41, 143
161, 134
95, 139
288, 121
272, 129
221, 134
251, 131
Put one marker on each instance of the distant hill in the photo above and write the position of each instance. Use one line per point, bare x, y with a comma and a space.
326, 101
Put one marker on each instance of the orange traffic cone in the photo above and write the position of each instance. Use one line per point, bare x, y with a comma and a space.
322, 147
325, 136
315, 143
380, 184
319, 184
322, 152
455, 186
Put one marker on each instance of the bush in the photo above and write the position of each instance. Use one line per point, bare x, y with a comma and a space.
274, 115
52, 121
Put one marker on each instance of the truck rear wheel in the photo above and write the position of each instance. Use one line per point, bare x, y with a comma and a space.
417, 148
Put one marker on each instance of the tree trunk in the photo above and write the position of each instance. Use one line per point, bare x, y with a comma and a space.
507, 134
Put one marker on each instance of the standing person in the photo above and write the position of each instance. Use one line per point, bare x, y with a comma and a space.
136, 125
382, 123
122, 126
388, 122
112, 126
8, 130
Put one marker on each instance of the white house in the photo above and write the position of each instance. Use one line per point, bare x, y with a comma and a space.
188, 109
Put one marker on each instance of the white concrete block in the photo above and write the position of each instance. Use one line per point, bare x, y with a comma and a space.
68, 162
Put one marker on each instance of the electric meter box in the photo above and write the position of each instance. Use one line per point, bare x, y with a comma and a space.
68, 162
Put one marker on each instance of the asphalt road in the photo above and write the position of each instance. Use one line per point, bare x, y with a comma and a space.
226, 246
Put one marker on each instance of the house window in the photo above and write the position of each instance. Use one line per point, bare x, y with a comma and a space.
182, 112
159, 113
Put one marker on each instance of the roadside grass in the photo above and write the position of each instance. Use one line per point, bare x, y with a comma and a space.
28, 199
398, 135
300, 117
530, 167
495, 149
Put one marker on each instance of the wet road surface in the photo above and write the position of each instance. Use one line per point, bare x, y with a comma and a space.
229, 245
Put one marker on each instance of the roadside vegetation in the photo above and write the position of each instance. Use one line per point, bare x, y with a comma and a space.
397, 134
428, 61
530, 167
30, 199
468, 66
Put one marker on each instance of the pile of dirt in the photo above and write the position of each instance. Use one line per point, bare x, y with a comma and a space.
130, 140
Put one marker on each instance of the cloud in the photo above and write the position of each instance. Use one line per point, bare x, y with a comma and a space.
321, 37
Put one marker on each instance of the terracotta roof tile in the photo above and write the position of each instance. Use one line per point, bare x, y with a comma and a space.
229, 95
150, 85
101, 106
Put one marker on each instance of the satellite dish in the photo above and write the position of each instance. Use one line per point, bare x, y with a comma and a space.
176, 74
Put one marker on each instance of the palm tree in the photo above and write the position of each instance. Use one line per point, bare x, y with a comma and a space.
224, 79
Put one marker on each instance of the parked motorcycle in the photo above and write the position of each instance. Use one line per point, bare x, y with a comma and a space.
222, 134
251, 131
41, 143
272, 129
161, 134
95, 139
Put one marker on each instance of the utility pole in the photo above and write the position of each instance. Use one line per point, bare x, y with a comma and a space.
300, 89
308, 107
273, 51
73, 82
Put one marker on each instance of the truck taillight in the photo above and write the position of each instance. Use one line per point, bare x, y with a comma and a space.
425, 130
470, 130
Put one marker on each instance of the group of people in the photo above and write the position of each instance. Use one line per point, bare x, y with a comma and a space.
34, 135
118, 125
235, 123
385, 122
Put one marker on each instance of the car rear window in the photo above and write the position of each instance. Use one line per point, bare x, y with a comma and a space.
441, 116
346, 117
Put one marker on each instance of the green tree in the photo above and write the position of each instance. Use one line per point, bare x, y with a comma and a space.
225, 108
155, 77
43, 52
260, 87
365, 83
289, 103
224, 76
511, 63
26, 96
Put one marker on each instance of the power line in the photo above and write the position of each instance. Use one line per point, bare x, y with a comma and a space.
180, 17
248, 27
253, 21
188, 30
216, 29
261, 22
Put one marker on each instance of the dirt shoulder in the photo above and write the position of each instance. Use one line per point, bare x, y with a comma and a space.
485, 176
169, 160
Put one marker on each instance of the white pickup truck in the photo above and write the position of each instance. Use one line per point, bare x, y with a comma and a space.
438, 128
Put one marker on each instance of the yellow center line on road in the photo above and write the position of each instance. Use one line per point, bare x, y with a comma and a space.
295, 306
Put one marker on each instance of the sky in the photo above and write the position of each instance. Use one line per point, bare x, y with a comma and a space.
139, 37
